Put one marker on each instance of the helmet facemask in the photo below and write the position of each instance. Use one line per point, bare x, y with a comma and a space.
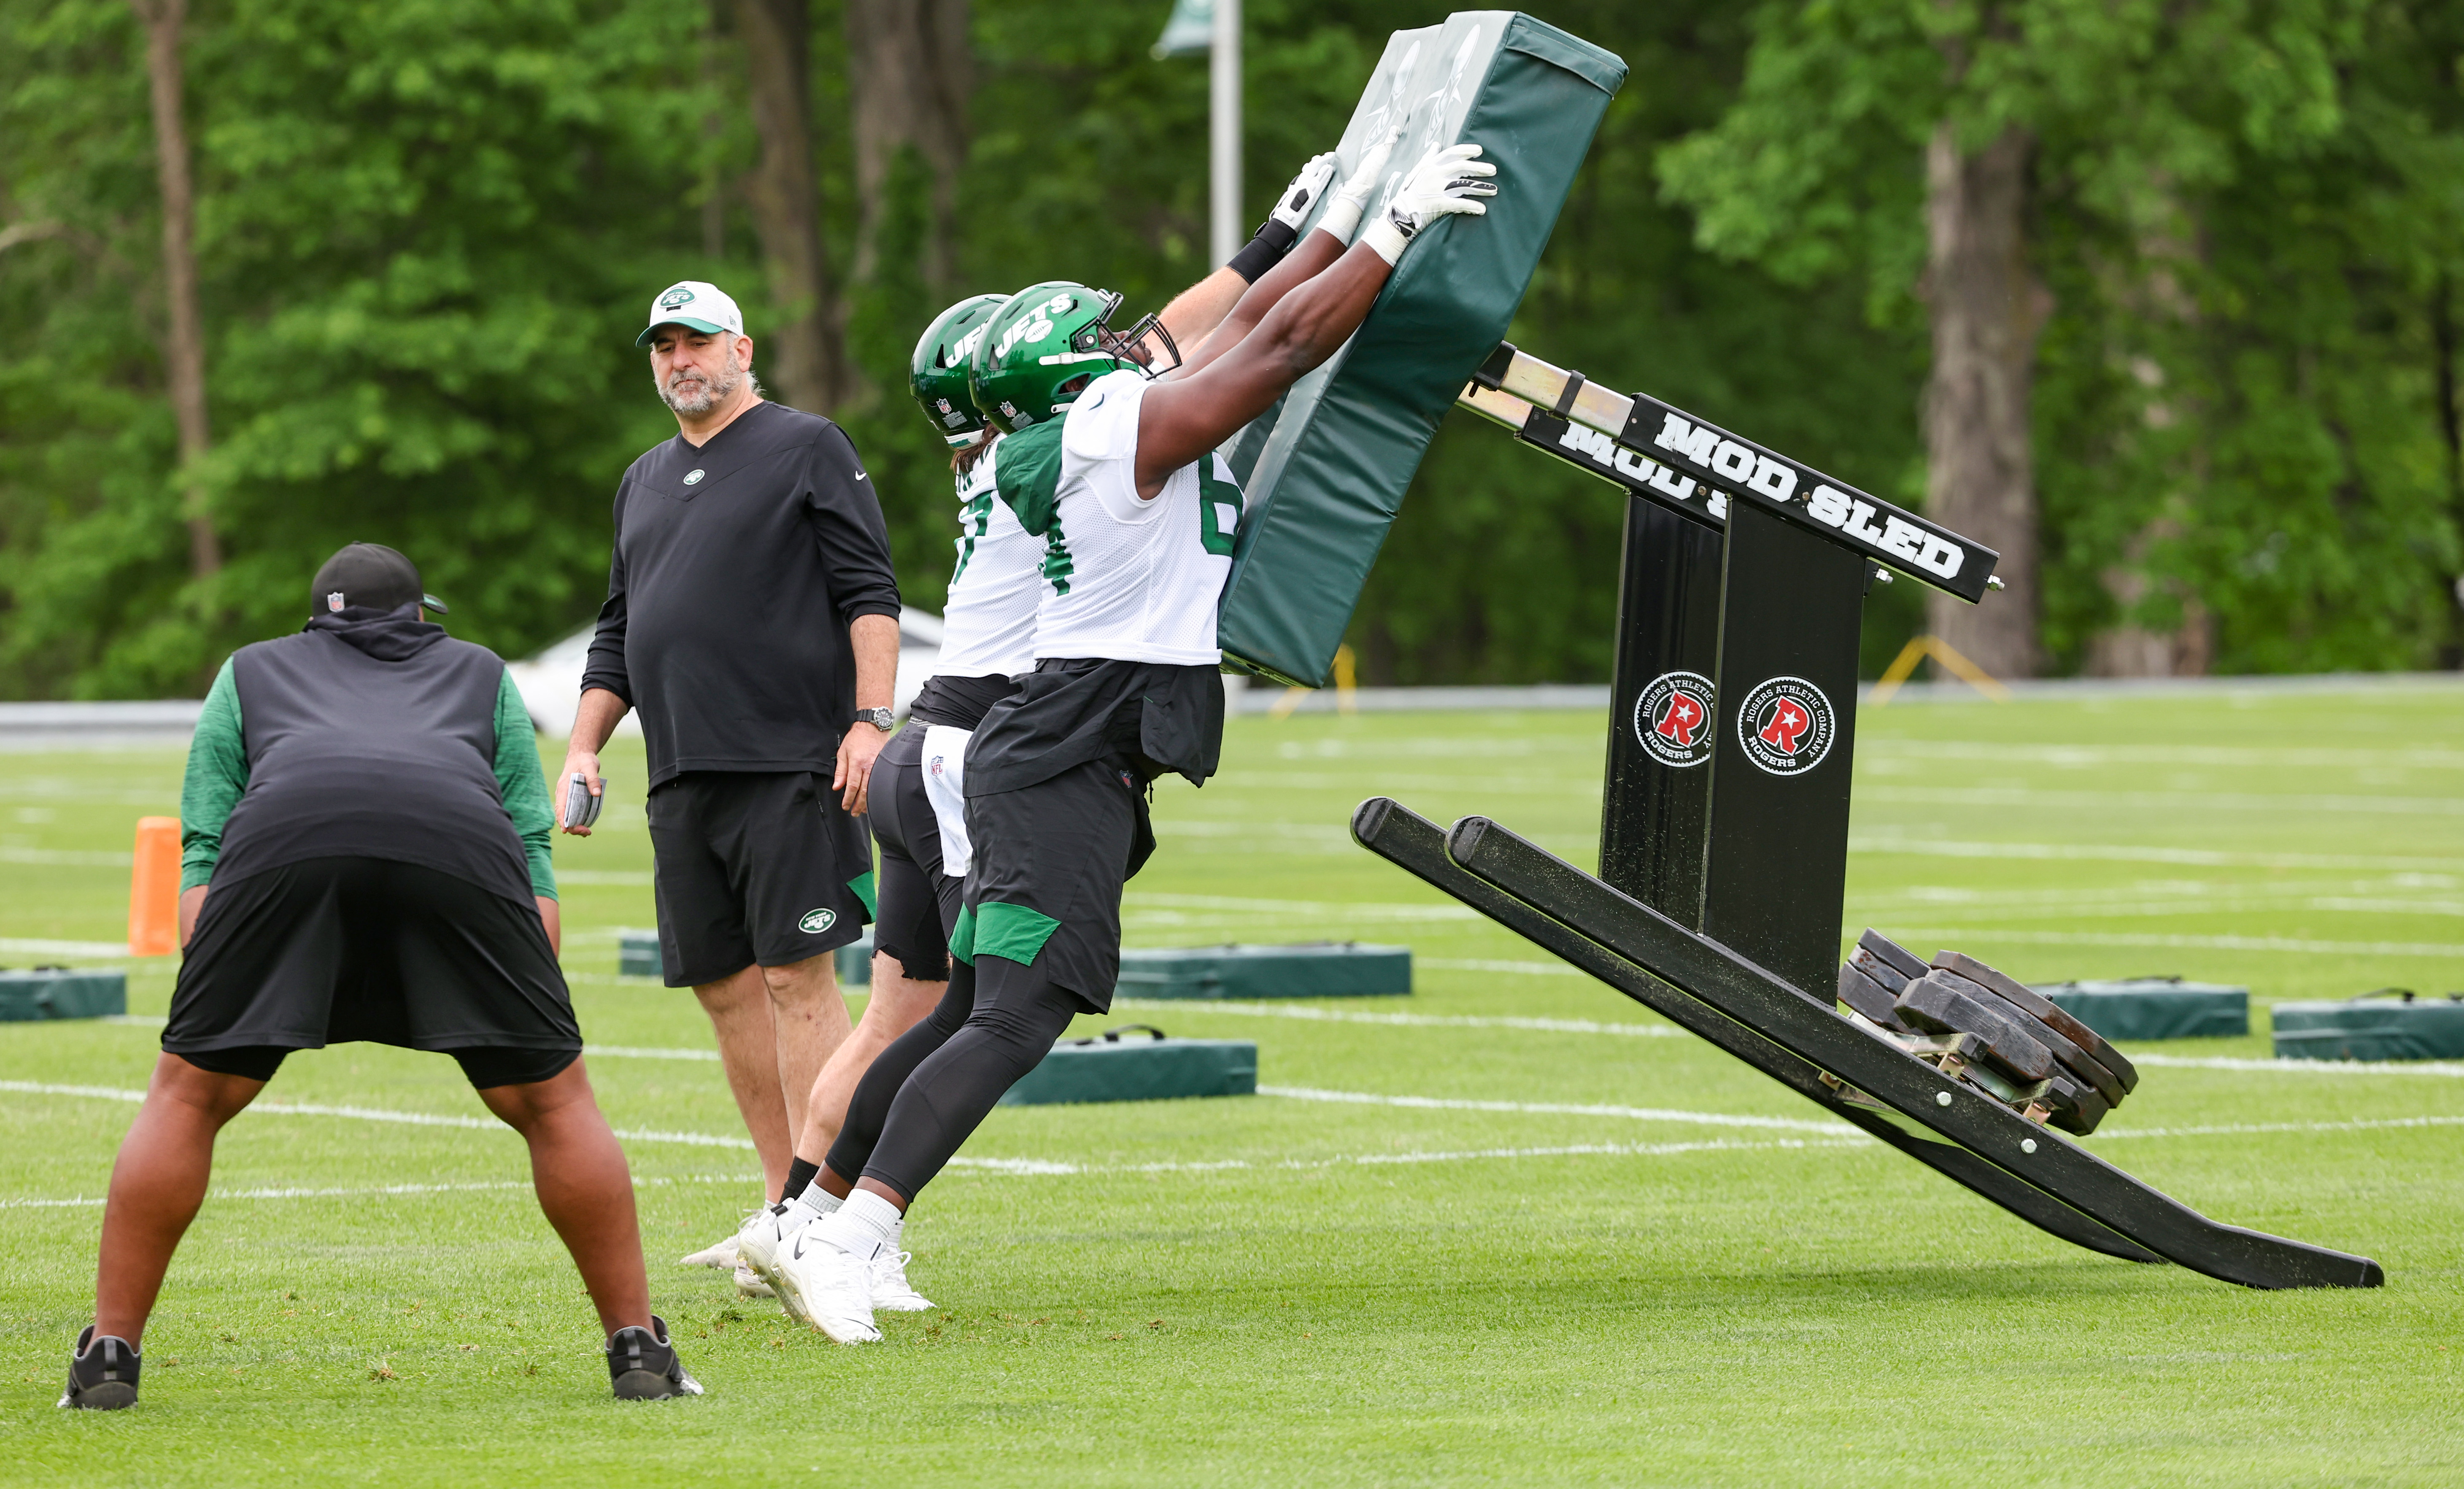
1146, 346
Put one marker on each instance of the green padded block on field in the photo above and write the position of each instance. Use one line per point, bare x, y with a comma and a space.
637, 956
63, 993
1323, 472
2371, 1027
856, 962
1136, 1065
2154, 1008
1313, 969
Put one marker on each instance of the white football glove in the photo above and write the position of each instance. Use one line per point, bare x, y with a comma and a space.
1351, 199
1293, 207
1445, 183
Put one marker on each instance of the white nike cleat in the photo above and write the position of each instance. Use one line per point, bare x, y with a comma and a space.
828, 1289
721, 1255
749, 1284
889, 1286
766, 1231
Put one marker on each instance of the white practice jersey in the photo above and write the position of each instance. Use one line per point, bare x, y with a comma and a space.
988, 627
1129, 579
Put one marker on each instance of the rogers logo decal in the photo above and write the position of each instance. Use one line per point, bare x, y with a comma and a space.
1786, 726
1672, 718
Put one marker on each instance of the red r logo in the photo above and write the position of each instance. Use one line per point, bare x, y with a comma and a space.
1682, 721
1786, 725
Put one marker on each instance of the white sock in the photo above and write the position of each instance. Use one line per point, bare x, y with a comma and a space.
861, 1226
819, 1200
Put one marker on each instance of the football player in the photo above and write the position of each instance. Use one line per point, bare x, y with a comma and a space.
1112, 459
916, 808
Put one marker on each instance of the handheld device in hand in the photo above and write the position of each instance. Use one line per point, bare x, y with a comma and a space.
580, 806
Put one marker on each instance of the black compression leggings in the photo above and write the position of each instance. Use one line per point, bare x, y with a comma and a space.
936, 1084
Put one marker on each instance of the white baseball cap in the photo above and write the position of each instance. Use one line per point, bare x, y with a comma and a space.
705, 307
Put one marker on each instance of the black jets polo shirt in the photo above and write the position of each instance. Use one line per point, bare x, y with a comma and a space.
737, 568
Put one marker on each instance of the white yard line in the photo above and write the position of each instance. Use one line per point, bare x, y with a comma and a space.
2253, 801
1485, 964
19, 946
382, 1190
1257, 1010
1714, 1118
2238, 1128
2447, 950
2450, 1069
416, 1119
2206, 858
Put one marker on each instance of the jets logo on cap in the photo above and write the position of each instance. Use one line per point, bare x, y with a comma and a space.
334, 601
1786, 726
1672, 719
679, 295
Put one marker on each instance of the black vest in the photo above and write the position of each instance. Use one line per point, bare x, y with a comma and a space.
372, 735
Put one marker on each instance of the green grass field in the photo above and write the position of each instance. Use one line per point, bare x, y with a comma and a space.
1297, 1288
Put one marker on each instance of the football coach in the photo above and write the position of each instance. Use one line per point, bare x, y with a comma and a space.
365, 856
752, 622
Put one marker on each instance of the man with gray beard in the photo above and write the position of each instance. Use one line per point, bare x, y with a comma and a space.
752, 621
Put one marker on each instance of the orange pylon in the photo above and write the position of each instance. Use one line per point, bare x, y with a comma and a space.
154, 888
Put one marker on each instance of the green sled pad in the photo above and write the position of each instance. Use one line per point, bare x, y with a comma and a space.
2392, 1024
637, 955
1312, 968
855, 961
63, 993
2154, 1008
1323, 471
1138, 1063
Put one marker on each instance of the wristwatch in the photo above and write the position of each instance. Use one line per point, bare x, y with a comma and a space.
879, 718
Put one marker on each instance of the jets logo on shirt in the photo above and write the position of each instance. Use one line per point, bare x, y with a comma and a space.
1672, 719
1786, 726
692, 478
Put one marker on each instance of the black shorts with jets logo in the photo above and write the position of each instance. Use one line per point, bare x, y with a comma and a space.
755, 868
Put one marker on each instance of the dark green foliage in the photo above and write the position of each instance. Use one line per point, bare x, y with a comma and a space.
428, 230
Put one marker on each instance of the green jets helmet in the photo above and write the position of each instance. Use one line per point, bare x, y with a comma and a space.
1047, 344
937, 371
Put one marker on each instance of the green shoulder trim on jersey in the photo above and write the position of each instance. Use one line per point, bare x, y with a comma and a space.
1011, 932
1029, 474
963, 937
862, 885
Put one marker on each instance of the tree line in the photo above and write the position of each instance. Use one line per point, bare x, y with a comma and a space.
2156, 298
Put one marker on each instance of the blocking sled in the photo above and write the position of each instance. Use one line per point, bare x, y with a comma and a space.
1724, 835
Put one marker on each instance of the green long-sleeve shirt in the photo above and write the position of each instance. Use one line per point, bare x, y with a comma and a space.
218, 773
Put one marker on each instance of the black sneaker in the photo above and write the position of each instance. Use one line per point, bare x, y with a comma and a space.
641, 1364
103, 1373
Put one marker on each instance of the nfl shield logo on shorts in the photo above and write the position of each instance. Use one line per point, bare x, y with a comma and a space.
817, 921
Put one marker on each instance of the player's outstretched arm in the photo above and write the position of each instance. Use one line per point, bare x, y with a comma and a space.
1305, 262
1182, 418
1197, 311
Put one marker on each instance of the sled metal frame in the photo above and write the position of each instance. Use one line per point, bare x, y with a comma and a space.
1735, 937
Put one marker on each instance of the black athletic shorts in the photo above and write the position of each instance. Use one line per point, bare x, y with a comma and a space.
331, 950
1050, 858
755, 868
919, 903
